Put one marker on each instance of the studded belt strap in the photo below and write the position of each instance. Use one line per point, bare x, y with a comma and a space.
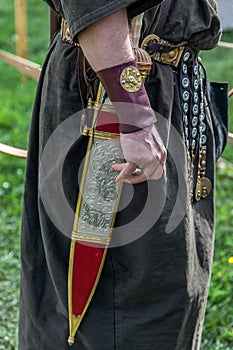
192, 92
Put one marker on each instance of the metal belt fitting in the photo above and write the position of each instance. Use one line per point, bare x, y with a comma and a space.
65, 33
162, 50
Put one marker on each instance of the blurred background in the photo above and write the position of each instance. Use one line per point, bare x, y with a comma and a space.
16, 100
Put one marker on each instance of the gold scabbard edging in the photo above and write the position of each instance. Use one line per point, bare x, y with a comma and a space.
74, 321
93, 223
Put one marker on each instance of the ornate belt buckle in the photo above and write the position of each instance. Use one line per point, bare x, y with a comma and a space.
171, 58
145, 42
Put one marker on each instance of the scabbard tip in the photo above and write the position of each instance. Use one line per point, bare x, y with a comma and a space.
71, 341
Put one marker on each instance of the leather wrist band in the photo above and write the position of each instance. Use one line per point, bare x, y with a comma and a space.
124, 86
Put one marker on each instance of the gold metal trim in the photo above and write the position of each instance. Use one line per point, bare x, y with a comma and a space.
100, 134
65, 33
82, 237
147, 39
97, 106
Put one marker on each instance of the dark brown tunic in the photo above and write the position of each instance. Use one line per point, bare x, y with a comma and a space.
152, 293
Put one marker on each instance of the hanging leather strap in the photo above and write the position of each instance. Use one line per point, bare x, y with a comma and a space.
163, 14
55, 23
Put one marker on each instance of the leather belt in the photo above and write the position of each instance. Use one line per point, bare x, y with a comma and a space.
162, 50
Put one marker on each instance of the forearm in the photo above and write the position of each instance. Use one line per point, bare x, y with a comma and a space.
106, 43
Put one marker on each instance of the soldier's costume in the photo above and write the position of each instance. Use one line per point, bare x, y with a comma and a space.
152, 292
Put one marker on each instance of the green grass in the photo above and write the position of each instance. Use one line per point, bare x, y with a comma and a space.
16, 99
218, 329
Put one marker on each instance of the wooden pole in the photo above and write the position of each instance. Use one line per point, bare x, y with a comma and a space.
230, 138
26, 67
21, 28
230, 93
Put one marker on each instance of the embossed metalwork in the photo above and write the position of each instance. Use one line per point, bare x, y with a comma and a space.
100, 192
131, 79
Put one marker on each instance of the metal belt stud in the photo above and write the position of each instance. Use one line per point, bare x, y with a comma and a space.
195, 69
195, 109
185, 119
194, 121
195, 97
202, 127
185, 95
185, 107
196, 85
194, 133
185, 83
186, 56
185, 68
193, 144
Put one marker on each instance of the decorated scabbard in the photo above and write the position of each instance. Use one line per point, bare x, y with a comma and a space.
96, 208
97, 203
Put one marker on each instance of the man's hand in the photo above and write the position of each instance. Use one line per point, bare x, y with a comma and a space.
143, 149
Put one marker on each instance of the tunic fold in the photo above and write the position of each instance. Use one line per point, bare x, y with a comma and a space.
153, 290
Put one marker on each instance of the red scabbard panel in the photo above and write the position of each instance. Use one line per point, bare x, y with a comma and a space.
87, 261
104, 124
